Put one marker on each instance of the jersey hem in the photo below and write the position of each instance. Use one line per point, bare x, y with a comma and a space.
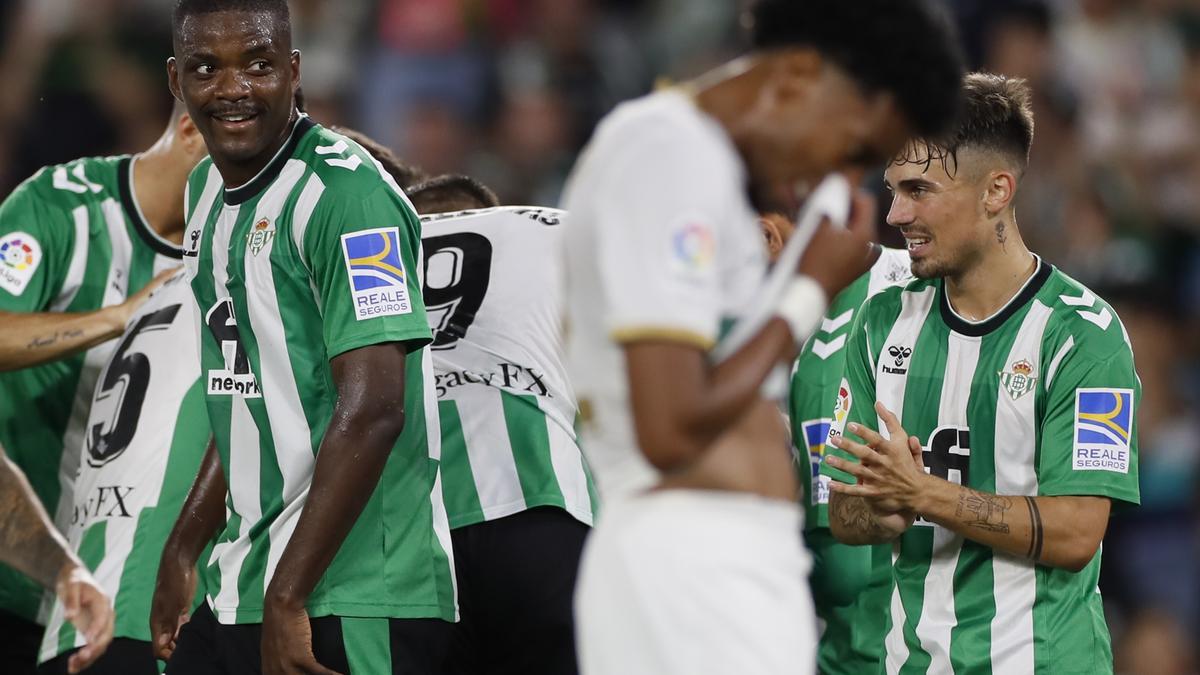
244, 615
416, 335
580, 513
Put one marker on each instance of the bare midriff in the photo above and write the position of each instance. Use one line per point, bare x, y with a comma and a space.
752, 456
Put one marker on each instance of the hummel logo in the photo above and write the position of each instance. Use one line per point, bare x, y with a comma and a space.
898, 354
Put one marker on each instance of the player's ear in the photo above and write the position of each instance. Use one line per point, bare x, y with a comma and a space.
998, 191
173, 79
295, 63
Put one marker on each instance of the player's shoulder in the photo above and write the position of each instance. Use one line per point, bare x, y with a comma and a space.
345, 169
886, 303
79, 181
659, 122
1080, 315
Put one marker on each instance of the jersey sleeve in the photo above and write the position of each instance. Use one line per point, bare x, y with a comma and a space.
657, 233
36, 241
1088, 441
362, 253
855, 396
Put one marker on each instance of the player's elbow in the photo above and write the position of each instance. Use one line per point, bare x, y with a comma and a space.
665, 446
1077, 551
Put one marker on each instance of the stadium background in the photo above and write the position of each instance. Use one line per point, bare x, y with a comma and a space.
509, 90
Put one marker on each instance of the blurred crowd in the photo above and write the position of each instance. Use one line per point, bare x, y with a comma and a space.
509, 90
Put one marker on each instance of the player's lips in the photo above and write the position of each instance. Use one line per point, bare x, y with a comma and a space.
234, 121
917, 244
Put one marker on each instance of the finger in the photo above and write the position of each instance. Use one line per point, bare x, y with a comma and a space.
859, 471
853, 490
918, 453
864, 453
889, 420
869, 436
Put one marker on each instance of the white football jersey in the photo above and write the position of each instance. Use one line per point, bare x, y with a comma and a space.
143, 442
662, 241
493, 296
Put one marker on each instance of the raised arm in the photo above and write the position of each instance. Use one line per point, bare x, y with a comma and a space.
682, 402
31, 339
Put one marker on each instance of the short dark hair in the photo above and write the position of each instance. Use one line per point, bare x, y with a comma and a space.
186, 8
997, 117
923, 70
451, 192
406, 175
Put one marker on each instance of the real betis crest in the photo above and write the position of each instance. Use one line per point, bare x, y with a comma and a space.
260, 235
1018, 380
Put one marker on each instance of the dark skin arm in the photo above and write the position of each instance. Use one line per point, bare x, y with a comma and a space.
31, 544
682, 402
367, 419
1058, 531
31, 339
200, 520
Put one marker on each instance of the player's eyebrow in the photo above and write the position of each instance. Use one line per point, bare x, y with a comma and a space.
910, 183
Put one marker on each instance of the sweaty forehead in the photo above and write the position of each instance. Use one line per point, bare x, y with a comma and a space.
232, 31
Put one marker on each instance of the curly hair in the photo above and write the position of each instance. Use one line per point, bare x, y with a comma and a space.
922, 67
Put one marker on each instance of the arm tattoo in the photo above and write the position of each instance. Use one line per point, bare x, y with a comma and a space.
986, 512
48, 340
854, 515
1035, 530
27, 540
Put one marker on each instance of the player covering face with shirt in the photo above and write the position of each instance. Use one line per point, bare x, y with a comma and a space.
696, 564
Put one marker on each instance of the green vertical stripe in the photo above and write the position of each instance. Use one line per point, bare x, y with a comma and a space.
91, 552
368, 645
530, 442
922, 400
458, 480
974, 581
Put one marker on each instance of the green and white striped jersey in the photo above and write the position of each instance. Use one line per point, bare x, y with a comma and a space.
145, 436
72, 239
316, 256
852, 639
493, 294
1037, 400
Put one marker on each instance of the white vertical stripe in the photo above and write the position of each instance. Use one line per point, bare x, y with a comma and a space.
937, 609
889, 388
305, 203
193, 233
1057, 360
489, 450
244, 461
116, 286
78, 265
433, 426
294, 454
1014, 579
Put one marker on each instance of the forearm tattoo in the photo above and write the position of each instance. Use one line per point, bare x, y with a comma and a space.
855, 516
1035, 530
985, 512
26, 541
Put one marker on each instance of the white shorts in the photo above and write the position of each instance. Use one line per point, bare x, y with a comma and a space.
692, 582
